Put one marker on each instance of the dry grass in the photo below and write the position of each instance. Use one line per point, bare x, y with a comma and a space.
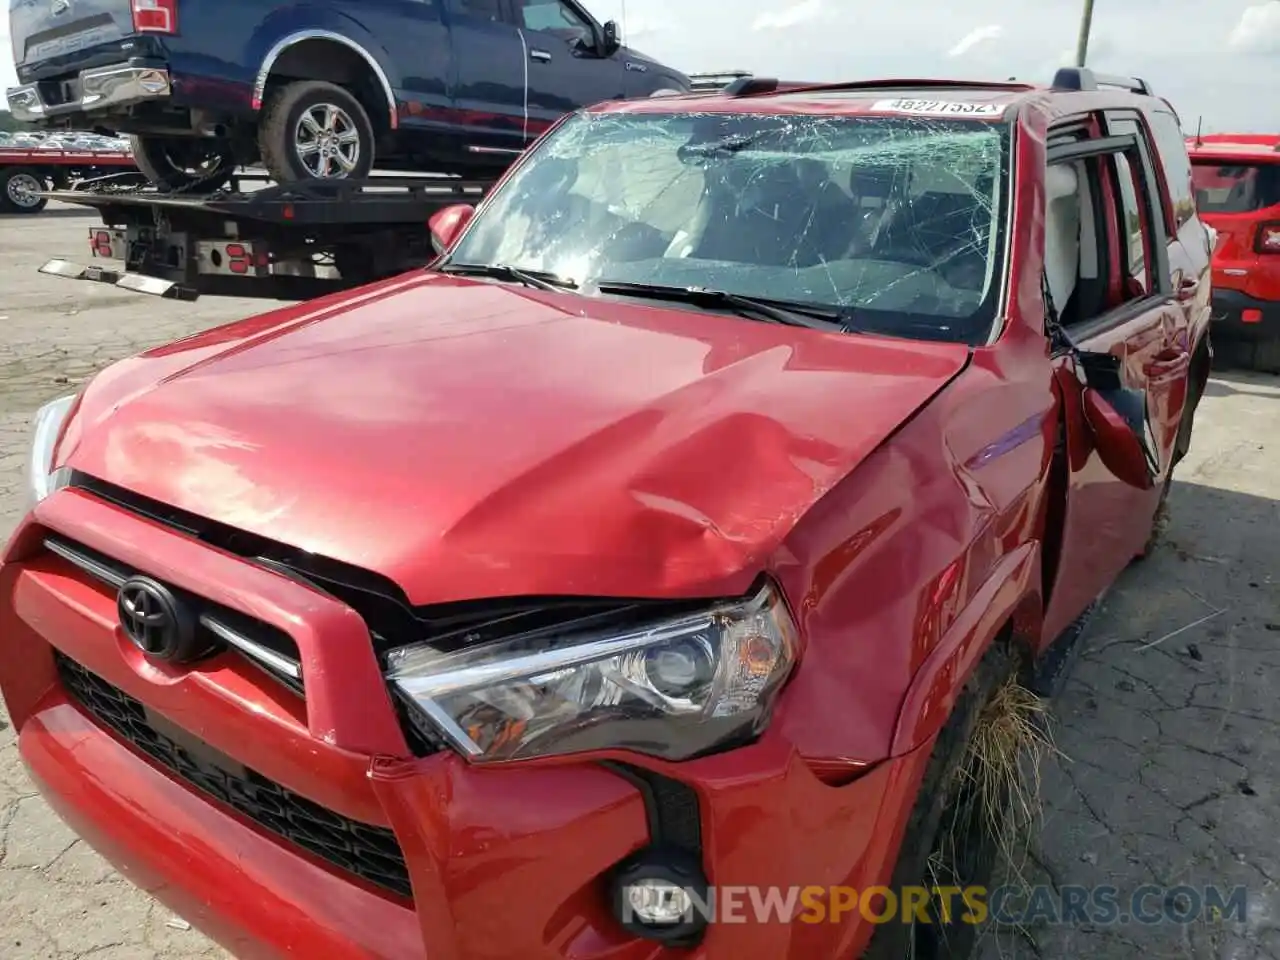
1009, 743
999, 779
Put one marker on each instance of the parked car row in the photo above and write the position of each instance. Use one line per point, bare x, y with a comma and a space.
63, 141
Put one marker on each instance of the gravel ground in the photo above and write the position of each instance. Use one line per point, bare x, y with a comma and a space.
1169, 766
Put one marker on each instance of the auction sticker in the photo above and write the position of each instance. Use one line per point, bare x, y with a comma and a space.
939, 108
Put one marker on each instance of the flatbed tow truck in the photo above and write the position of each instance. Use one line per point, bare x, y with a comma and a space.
282, 242
276, 241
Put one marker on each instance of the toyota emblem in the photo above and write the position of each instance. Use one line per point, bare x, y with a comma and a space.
154, 620
59, 7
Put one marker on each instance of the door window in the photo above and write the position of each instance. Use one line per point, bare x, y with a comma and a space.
553, 17
1134, 229
481, 9
1099, 235
1172, 146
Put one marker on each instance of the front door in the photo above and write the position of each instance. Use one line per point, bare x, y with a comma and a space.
1107, 270
565, 71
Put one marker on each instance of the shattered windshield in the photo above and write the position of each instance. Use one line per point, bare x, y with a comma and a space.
894, 221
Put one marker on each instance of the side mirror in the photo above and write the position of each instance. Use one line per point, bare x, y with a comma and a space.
448, 223
1120, 421
609, 42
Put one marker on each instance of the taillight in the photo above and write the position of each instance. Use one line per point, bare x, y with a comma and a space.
155, 16
1269, 237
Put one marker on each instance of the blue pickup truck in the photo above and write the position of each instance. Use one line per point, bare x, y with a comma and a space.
318, 89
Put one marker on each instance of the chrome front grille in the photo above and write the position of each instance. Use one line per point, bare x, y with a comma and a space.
261, 644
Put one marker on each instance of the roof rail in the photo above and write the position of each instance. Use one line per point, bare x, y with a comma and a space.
749, 86
1082, 78
755, 86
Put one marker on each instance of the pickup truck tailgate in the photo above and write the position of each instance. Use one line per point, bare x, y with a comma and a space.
57, 30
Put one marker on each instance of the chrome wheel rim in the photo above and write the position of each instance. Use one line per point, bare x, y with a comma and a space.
327, 141
23, 190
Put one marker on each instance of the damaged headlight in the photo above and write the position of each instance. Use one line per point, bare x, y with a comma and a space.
673, 689
40, 477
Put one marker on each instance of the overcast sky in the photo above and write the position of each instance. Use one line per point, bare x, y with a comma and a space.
1219, 59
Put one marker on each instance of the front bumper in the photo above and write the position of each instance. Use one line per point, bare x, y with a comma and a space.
1230, 307
506, 862
92, 91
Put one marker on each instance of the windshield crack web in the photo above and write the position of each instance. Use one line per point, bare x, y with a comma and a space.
893, 221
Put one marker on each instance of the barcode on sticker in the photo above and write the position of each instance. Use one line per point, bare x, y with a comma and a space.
939, 108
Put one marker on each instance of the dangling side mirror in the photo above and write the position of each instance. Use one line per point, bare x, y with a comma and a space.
1119, 419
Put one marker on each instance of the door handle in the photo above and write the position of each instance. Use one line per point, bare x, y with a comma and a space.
543, 56
1187, 289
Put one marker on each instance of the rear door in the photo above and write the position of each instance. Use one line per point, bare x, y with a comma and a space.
488, 82
53, 38
1188, 242
565, 72
1110, 231
413, 35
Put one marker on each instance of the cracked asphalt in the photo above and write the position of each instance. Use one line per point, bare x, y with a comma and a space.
1167, 769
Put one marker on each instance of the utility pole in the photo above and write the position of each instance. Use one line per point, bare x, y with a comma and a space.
625, 38
1086, 25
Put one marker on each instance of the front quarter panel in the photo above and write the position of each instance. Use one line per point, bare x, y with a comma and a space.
931, 544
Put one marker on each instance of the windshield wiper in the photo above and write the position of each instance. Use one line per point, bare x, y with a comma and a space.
538, 279
774, 311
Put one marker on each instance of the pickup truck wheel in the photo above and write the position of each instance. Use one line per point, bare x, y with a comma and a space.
313, 130
19, 189
186, 164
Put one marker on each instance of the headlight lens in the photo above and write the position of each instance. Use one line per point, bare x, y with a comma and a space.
674, 689
41, 479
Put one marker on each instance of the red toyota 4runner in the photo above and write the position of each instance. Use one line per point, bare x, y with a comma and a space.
1237, 178
671, 533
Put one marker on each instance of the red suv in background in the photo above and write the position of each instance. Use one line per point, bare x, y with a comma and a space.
1237, 180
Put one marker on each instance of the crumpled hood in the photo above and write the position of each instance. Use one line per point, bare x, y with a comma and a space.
467, 439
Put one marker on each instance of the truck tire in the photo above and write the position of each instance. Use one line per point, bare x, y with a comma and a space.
183, 164
314, 130
18, 189
1262, 356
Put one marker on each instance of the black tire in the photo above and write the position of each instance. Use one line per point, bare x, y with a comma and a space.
343, 138
1261, 356
945, 811
183, 164
17, 187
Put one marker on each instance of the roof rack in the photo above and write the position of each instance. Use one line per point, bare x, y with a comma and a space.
1082, 78
756, 86
748, 86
